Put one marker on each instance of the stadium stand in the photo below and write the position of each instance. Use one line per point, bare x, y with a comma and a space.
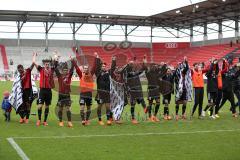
236, 54
122, 54
169, 55
160, 54
24, 55
203, 54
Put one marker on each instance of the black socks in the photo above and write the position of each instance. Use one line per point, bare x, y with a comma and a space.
46, 114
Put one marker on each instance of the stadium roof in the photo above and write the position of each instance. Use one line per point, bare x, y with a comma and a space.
122, 7
211, 11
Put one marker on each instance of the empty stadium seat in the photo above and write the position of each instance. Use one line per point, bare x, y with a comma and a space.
172, 56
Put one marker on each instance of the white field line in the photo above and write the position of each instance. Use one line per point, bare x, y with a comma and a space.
129, 134
18, 149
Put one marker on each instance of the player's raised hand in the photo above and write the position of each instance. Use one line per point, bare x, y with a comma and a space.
212, 59
34, 57
185, 58
145, 59
35, 54
131, 62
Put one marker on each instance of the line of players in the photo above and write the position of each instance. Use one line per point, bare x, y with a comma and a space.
222, 83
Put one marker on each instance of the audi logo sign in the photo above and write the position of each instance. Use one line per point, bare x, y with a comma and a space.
171, 45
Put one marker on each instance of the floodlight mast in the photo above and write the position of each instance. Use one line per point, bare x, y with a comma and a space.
151, 44
220, 31
48, 26
126, 33
191, 34
19, 28
205, 33
74, 34
237, 27
75, 29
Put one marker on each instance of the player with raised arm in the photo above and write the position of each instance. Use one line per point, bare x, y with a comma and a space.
183, 87
46, 85
131, 73
86, 89
64, 76
153, 73
198, 86
168, 77
103, 89
227, 89
212, 87
25, 108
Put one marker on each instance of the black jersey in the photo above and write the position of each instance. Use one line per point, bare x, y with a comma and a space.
212, 78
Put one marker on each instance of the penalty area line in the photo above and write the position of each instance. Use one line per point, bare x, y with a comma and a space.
18, 149
129, 134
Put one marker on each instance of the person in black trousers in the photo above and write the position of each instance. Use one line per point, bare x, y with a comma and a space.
198, 85
236, 84
169, 78
212, 87
228, 91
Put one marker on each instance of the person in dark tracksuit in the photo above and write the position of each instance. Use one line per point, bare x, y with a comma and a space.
220, 85
228, 91
236, 84
222, 71
212, 87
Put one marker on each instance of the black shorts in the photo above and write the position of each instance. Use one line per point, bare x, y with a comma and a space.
167, 98
27, 95
85, 98
183, 96
45, 96
133, 101
153, 92
136, 93
212, 97
103, 97
64, 100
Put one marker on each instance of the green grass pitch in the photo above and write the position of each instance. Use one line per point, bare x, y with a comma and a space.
183, 140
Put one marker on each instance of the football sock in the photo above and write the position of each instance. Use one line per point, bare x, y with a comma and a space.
46, 114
